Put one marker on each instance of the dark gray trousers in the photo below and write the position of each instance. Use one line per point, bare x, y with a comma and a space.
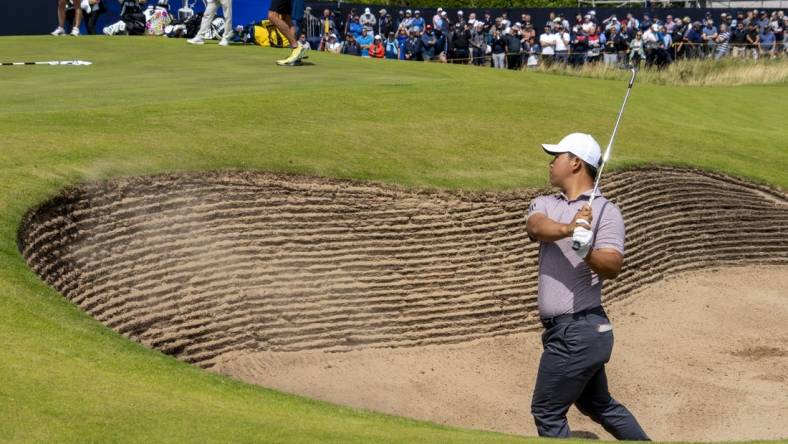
572, 371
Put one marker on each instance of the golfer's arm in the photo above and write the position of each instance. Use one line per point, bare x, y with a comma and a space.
605, 262
542, 228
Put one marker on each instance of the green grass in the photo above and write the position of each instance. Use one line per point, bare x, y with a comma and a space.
694, 72
152, 105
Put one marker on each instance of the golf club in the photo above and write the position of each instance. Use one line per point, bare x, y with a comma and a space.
52, 63
606, 155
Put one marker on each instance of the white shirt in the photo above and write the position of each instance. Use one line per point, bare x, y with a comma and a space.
547, 41
334, 47
560, 44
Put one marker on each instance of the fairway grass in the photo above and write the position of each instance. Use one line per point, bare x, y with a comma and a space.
152, 105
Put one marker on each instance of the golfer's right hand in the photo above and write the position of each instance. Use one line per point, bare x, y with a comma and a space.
581, 219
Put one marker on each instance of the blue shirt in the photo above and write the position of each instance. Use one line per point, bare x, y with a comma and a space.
392, 49
767, 40
364, 41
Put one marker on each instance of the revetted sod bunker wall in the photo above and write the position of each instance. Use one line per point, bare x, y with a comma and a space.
198, 265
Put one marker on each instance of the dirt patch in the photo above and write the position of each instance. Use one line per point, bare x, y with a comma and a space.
215, 268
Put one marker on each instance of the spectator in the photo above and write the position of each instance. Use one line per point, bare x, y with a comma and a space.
418, 21
547, 43
753, 40
445, 24
528, 31
349, 19
327, 25
472, 20
350, 46
353, 26
376, 49
478, 44
498, 50
613, 45
61, 19
710, 34
413, 46
651, 42
594, 46
429, 43
332, 45
310, 25
461, 41
437, 19
407, 22
364, 41
579, 46
768, 42
665, 54
368, 19
392, 47
402, 37
442, 46
505, 20
636, 52
400, 18
739, 40
694, 40
562, 45
461, 20
514, 48
385, 23
534, 51
722, 42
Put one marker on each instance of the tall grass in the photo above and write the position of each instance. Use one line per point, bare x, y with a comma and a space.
695, 72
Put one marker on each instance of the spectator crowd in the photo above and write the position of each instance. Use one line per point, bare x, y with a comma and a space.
504, 42
479, 38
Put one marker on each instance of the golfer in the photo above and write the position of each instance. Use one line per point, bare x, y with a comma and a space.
578, 337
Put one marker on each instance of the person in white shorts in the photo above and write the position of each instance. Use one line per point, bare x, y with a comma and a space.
207, 18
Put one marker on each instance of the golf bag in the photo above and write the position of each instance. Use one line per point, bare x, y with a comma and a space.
264, 33
192, 25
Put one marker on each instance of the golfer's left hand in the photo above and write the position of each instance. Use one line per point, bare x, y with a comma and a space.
583, 237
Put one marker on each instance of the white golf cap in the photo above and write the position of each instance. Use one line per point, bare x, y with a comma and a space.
580, 144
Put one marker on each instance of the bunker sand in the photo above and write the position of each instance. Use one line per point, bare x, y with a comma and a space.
425, 300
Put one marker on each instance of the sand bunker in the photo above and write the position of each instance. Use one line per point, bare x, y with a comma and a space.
249, 273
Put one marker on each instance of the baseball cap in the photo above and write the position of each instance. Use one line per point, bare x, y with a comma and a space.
580, 144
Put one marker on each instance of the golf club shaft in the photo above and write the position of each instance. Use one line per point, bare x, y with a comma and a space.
53, 63
606, 155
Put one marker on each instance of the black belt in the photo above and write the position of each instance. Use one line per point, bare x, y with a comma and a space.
569, 317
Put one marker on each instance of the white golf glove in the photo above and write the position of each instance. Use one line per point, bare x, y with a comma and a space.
582, 237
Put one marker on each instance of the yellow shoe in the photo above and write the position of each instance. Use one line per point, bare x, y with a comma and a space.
292, 58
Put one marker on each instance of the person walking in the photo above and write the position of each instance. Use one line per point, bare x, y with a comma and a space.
578, 336
210, 12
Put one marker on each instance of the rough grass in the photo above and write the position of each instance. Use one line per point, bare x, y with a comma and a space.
151, 105
698, 72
